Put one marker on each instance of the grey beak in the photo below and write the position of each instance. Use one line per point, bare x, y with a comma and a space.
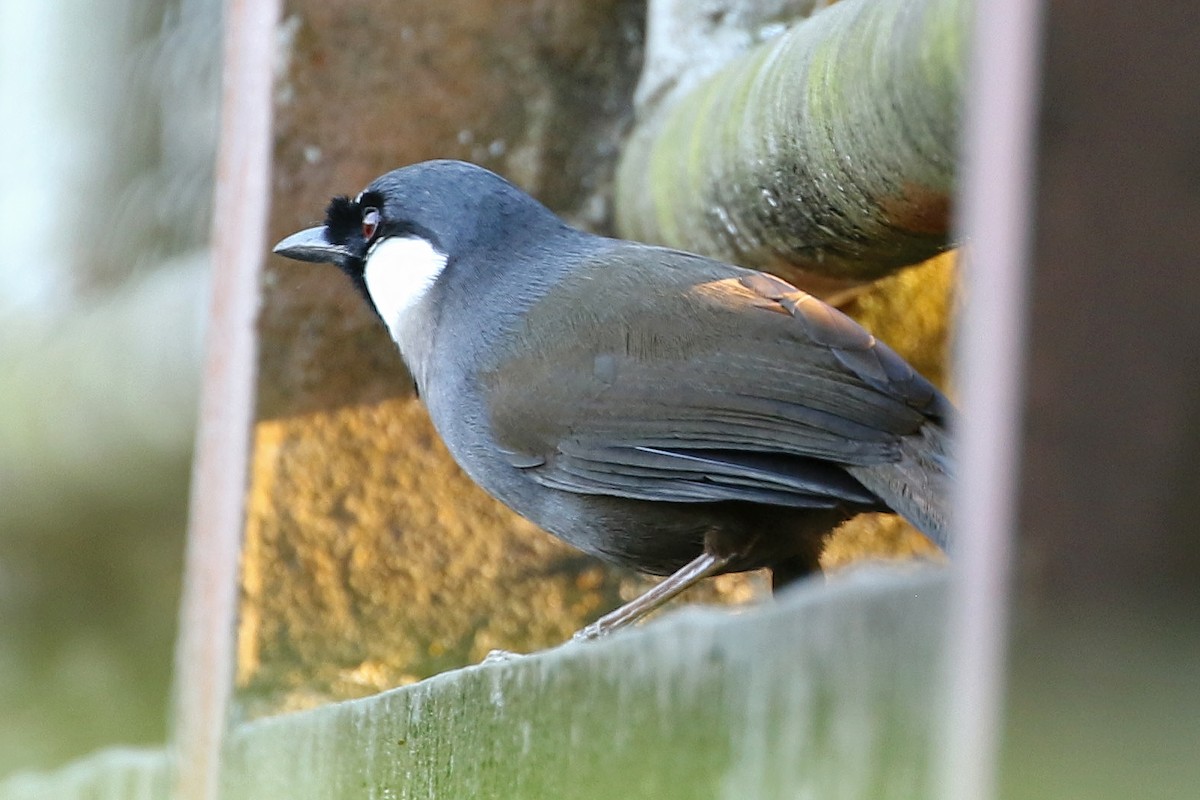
311, 244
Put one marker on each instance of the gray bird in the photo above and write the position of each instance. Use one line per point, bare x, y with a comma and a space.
653, 408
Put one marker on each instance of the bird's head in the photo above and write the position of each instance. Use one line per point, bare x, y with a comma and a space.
397, 237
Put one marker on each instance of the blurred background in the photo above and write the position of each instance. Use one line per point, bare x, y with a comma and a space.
105, 207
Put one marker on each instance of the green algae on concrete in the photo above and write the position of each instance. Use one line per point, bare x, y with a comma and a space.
831, 692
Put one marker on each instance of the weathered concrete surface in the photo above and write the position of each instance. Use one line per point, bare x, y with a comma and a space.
831, 692
370, 560
117, 774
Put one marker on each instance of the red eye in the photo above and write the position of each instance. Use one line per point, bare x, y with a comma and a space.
370, 222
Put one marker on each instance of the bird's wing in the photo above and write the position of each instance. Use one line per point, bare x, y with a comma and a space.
688, 380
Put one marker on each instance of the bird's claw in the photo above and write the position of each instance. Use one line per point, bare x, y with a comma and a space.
500, 656
589, 633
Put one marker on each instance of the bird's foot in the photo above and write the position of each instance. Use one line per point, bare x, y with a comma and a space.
501, 656
589, 632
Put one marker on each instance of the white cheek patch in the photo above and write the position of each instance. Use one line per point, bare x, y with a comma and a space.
399, 272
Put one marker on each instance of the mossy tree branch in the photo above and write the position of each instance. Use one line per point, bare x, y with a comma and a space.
827, 153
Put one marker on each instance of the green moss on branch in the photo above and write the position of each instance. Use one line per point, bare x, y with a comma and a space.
827, 153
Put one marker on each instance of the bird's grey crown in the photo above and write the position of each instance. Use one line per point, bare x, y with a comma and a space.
458, 207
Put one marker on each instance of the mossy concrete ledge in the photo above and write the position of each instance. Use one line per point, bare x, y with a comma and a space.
114, 774
831, 691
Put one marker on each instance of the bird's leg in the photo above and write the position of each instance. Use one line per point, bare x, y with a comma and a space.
703, 566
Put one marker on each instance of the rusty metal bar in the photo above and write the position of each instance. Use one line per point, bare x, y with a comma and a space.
994, 214
205, 650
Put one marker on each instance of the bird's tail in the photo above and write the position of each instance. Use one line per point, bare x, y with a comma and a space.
918, 485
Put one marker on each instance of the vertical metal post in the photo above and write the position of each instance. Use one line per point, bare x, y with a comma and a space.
205, 651
994, 215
